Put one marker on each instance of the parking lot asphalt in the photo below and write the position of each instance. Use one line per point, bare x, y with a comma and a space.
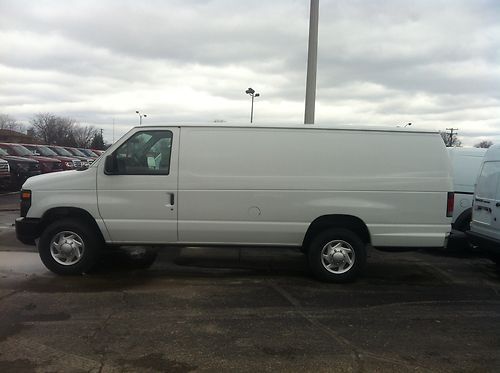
252, 309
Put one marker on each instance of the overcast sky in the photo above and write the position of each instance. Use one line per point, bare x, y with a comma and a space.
434, 63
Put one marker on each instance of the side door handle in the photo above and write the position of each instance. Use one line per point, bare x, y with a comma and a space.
171, 198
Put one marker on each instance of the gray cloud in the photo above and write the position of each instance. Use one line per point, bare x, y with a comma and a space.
434, 63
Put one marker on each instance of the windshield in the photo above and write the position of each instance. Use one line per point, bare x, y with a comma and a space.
43, 150
21, 150
76, 152
62, 151
88, 153
3, 152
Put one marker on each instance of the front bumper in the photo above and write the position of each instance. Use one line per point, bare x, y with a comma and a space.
27, 230
488, 243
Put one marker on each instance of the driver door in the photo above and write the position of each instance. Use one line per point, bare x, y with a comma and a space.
137, 196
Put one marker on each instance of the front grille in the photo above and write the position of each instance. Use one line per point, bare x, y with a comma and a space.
77, 163
4, 166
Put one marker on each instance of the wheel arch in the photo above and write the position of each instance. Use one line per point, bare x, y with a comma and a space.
58, 213
465, 216
349, 222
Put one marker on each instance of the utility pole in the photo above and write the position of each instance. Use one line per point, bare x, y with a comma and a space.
312, 63
450, 136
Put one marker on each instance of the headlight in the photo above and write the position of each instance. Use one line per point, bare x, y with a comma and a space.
68, 164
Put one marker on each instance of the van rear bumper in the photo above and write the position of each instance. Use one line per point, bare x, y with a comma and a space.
27, 230
491, 244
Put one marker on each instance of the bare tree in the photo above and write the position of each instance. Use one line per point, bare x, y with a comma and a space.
484, 144
83, 135
450, 141
54, 130
9, 123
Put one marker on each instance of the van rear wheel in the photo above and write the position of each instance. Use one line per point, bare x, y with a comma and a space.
69, 247
337, 255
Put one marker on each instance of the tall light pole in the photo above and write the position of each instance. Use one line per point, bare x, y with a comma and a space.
251, 92
140, 117
312, 63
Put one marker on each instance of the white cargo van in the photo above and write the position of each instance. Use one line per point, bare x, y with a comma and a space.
465, 164
485, 224
330, 191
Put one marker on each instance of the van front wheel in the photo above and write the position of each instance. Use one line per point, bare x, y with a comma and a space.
69, 247
337, 255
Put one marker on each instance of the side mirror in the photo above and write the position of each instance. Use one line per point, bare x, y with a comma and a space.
110, 165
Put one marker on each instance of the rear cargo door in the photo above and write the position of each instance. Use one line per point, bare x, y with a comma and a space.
486, 211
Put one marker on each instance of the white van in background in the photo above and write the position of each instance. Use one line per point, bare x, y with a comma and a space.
330, 191
485, 224
465, 165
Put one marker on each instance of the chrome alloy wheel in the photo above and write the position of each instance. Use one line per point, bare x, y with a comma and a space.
337, 256
67, 248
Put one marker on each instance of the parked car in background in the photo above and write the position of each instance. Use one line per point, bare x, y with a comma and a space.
331, 191
98, 152
80, 155
68, 163
46, 164
88, 153
485, 225
21, 168
465, 164
62, 151
4, 174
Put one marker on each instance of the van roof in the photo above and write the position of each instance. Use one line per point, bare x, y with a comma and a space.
367, 128
493, 154
467, 152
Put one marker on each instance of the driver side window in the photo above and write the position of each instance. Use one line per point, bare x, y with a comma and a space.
145, 153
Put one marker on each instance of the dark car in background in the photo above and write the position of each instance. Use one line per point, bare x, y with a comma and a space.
88, 153
80, 155
4, 174
46, 164
21, 168
62, 151
68, 163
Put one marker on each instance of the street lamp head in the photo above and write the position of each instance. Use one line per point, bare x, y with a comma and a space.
250, 91
137, 111
145, 115
257, 94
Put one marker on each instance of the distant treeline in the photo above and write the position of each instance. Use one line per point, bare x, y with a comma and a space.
52, 129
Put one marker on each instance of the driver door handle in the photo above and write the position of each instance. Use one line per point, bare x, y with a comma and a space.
172, 198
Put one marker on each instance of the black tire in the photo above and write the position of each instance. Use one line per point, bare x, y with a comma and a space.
462, 224
349, 240
92, 245
141, 260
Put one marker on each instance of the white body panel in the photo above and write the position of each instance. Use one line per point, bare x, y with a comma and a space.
266, 185
465, 164
486, 211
